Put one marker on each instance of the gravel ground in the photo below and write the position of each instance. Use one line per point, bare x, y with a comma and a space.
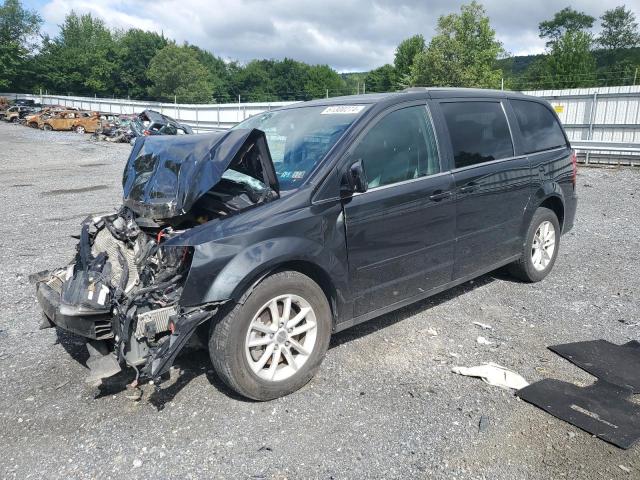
384, 404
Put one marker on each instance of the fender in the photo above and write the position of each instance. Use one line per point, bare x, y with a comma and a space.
244, 267
542, 192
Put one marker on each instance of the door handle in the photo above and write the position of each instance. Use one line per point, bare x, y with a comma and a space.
439, 195
468, 188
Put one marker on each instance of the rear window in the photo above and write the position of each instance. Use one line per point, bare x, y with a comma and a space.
539, 127
479, 132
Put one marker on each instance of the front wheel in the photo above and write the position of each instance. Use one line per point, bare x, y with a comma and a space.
272, 344
540, 248
46, 127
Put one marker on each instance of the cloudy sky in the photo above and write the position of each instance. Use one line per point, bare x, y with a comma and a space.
349, 35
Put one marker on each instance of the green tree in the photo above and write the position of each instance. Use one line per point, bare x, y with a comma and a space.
405, 54
217, 70
381, 79
321, 78
619, 29
570, 63
175, 72
253, 82
136, 49
463, 53
82, 59
288, 78
566, 20
18, 27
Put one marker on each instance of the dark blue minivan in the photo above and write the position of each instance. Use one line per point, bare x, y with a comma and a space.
307, 220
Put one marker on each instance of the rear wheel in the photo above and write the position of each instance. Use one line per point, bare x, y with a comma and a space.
273, 343
79, 129
540, 249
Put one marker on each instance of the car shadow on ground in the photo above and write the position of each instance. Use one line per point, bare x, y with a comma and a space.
391, 318
194, 361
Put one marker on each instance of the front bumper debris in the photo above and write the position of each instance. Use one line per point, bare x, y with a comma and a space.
95, 327
122, 294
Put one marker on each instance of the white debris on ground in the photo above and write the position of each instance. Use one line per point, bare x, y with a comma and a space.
493, 374
483, 326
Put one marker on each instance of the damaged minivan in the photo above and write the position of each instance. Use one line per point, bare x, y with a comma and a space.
306, 220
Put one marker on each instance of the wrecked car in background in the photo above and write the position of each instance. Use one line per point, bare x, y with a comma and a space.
150, 122
93, 122
16, 113
117, 130
35, 119
63, 120
126, 128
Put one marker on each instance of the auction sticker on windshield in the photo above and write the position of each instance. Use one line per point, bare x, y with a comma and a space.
342, 109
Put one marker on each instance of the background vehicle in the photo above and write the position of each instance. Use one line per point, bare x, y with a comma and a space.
64, 120
35, 119
310, 219
25, 102
92, 122
150, 122
16, 113
116, 129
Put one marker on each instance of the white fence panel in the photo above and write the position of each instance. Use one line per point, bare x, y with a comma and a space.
604, 114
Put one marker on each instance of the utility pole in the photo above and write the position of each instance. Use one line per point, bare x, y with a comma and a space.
327, 93
364, 87
358, 87
635, 76
502, 83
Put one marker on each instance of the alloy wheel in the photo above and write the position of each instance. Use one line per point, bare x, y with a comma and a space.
281, 337
543, 246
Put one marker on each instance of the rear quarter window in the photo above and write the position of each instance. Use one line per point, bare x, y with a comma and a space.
479, 132
539, 127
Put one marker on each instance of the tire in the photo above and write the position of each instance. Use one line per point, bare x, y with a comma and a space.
47, 127
79, 129
33, 125
238, 363
536, 262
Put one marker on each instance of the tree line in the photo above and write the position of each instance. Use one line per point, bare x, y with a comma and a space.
86, 57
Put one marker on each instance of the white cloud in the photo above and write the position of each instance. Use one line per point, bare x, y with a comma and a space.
346, 34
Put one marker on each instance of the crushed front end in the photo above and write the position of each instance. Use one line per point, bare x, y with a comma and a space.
123, 290
121, 293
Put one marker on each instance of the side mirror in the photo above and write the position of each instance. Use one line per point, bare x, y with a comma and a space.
355, 180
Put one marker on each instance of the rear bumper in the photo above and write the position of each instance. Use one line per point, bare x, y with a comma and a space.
95, 327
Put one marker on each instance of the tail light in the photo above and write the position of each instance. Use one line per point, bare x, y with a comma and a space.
574, 167
146, 132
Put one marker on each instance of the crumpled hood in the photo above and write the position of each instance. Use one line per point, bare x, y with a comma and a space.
166, 175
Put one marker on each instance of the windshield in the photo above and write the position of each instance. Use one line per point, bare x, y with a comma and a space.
299, 138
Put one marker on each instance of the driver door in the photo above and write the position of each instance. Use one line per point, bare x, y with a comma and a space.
401, 231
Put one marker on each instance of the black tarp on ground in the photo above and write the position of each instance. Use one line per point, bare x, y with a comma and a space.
601, 409
616, 364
